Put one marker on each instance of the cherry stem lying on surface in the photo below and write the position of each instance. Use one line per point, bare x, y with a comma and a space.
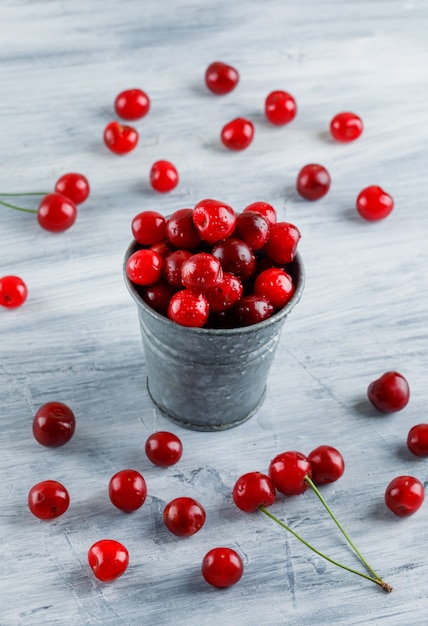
385, 586
315, 489
27, 193
17, 208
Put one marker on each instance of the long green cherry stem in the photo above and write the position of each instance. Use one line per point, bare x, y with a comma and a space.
385, 586
27, 193
315, 489
17, 208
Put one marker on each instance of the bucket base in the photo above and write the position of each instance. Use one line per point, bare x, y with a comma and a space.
207, 426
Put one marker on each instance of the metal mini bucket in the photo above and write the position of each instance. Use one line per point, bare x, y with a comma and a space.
209, 379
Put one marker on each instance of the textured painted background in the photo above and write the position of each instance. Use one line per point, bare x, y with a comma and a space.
364, 310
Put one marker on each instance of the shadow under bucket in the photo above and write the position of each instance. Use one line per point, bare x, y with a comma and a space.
209, 379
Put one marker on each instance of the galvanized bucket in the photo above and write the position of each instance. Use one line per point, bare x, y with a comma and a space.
209, 379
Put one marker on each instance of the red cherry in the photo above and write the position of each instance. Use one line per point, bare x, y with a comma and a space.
172, 267
264, 209
252, 309
158, 296
201, 271
181, 231
56, 213
144, 267
120, 139
221, 78
253, 490
276, 286
280, 108
373, 203
327, 464
214, 220
404, 495
163, 176
127, 490
108, 559
346, 127
48, 499
74, 186
184, 516
225, 294
13, 292
389, 393
164, 448
54, 424
164, 248
313, 181
288, 471
132, 104
148, 227
282, 242
189, 309
252, 228
235, 257
417, 440
222, 567
237, 134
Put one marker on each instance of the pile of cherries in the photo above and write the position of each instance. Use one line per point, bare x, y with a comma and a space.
209, 267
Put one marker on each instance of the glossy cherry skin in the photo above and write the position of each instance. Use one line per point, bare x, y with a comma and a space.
276, 286
225, 294
221, 78
201, 271
404, 495
313, 181
327, 464
56, 213
119, 138
417, 440
252, 309
184, 516
132, 104
189, 309
237, 134
253, 490
54, 424
263, 208
108, 559
48, 499
346, 127
252, 228
373, 203
13, 292
144, 267
127, 490
163, 176
222, 567
280, 108
235, 257
172, 267
288, 471
281, 246
214, 220
181, 231
389, 393
164, 448
158, 296
74, 186
148, 227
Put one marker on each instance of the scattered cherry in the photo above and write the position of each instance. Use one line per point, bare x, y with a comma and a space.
108, 559
237, 134
327, 464
164, 448
288, 471
163, 176
221, 78
417, 440
313, 181
144, 267
48, 499
148, 227
132, 104
184, 516
214, 220
56, 212
120, 139
404, 495
222, 567
389, 393
127, 490
282, 242
54, 424
253, 490
280, 108
188, 308
74, 186
373, 203
13, 292
276, 286
346, 127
